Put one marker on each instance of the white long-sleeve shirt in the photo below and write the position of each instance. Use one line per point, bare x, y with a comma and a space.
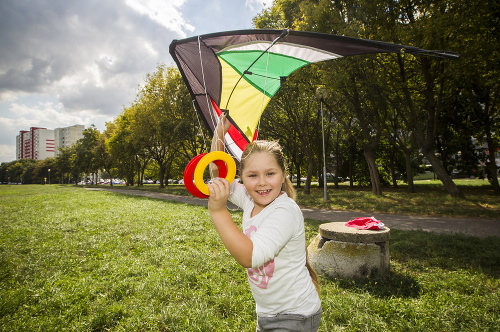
279, 279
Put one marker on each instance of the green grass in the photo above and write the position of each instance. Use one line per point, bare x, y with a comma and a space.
79, 260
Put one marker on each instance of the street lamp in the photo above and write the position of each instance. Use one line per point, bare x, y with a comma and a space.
321, 94
49, 175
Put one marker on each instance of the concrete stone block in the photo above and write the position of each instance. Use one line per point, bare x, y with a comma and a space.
354, 256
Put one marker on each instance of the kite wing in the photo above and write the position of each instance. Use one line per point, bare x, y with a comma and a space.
238, 72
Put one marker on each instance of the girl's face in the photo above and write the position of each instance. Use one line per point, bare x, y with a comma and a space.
262, 178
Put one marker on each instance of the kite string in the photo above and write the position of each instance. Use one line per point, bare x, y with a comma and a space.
210, 108
209, 104
199, 128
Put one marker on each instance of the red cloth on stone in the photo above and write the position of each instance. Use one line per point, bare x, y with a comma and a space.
365, 223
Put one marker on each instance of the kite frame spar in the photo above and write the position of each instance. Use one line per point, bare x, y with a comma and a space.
202, 69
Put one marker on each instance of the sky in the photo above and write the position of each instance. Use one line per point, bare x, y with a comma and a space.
81, 62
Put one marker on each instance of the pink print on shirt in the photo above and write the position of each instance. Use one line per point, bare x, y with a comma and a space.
260, 276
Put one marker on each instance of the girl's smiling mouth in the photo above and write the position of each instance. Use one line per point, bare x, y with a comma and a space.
264, 192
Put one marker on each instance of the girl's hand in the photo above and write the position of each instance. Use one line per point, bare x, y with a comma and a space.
223, 125
219, 193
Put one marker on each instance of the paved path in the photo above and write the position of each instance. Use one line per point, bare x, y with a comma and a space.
475, 227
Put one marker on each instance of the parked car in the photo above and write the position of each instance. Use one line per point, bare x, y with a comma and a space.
330, 178
456, 174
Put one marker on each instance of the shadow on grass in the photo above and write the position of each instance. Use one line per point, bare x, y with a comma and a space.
447, 251
397, 285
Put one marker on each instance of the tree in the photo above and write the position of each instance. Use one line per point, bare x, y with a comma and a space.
103, 154
302, 15
417, 88
65, 164
123, 148
477, 37
45, 171
371, 112
159, 110
86, 158
18, 171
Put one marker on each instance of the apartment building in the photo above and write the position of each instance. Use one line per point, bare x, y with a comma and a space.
65, 137
37, 143
41, 143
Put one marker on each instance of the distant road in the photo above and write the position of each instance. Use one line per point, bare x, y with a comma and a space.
475, 227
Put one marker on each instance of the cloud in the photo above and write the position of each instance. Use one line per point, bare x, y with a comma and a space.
7, 151
165, 13
69, 48
47, 114
256, 5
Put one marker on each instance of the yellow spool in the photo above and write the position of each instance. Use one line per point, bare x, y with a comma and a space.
207, 159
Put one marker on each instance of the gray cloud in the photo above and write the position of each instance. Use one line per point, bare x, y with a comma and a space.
90, 53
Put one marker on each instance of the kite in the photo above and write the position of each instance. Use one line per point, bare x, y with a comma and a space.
238, 72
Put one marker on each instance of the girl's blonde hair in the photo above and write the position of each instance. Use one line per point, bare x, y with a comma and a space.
274, 149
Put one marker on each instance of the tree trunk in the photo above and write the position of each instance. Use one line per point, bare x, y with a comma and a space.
296, 161
161, 175
492, 166
445, 178
337, 158
310, 169
321, 183
351, 164
372, 166
297, 180
409, 171
110, 178
393, 167
138, 171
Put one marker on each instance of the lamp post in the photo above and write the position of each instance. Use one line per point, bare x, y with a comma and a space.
49, 175
321, 94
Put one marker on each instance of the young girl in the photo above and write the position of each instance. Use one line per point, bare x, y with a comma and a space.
272, 245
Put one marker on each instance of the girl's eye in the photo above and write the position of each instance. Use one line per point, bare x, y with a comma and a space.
270, 173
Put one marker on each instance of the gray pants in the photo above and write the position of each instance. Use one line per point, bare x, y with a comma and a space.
289, 322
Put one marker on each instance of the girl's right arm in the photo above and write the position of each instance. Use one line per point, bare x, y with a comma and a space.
237, 243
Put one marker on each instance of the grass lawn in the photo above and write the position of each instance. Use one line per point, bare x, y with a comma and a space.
79, 260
